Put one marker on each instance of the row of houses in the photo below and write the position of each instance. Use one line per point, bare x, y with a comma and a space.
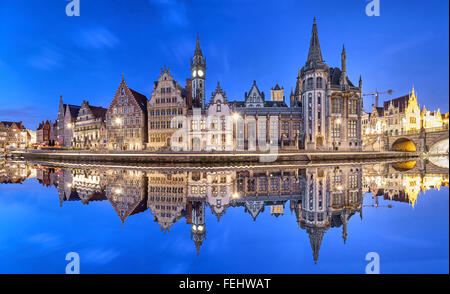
15, 135
324, 113
401, 115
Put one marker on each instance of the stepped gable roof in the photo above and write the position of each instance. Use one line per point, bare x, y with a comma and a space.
400, 102
98, 112
9, 124
380, 111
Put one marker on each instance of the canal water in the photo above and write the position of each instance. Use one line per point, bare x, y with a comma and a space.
273, 218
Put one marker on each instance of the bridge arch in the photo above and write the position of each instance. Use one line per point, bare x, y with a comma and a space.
439, 147
404, 144
404, 166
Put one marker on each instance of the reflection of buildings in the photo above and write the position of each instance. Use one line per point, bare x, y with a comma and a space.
320, 197
166, 197
127, 192
401, 182
15, 173
332, 196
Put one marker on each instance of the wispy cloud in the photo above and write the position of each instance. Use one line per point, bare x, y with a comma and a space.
23, 111
173, 12
46, 241
98, 256
97, 38
47, 59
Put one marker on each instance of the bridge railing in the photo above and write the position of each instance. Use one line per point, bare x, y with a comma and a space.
438, 129
409, 132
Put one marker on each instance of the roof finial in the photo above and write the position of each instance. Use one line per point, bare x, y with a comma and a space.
123, 77
314, 20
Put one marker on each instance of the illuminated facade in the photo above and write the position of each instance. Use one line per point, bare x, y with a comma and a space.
401, 115
89, 131
126, 120
332, 105
168, 101
13, 135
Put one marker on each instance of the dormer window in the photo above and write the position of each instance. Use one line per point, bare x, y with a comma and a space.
219, 107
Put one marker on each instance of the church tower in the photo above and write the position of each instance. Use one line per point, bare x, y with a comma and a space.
314, 76
198, 228
198, 72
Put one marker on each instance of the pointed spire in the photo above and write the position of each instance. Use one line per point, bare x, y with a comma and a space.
123, 77
198, 50
314, 54
315, 238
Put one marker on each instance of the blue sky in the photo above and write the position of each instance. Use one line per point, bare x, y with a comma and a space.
45, 53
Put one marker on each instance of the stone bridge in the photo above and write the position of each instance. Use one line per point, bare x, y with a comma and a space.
431, 141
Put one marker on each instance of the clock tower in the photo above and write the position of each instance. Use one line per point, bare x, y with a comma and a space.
198, 71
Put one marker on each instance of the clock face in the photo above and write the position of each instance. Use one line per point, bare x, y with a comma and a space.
200, 73
194, 73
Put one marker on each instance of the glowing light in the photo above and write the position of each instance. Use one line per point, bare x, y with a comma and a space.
69, 125
236, 116
235, 195
118, 121
338, 121
200, 228
118, 191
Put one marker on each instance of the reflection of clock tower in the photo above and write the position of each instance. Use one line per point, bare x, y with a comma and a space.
198, 69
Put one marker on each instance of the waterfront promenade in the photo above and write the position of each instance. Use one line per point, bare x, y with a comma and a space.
204, 157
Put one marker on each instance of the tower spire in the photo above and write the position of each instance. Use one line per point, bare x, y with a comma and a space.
315, 238
198, 50
314, 54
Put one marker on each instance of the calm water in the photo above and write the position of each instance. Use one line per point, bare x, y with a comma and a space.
254, 219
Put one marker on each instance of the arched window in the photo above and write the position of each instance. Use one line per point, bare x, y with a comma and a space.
310, 83
319, 83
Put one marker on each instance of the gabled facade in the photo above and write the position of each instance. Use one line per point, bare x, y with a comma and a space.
65, 122
70, 119
126, 120
13, 135
167, 102
44, 134
90, 127
254, 98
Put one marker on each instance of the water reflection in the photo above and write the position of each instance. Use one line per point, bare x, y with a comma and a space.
320, 196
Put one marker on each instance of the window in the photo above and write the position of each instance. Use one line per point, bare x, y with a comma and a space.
352, 126
336, 130
319, 83
219, 107
352, 106
336, 105
309, 83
